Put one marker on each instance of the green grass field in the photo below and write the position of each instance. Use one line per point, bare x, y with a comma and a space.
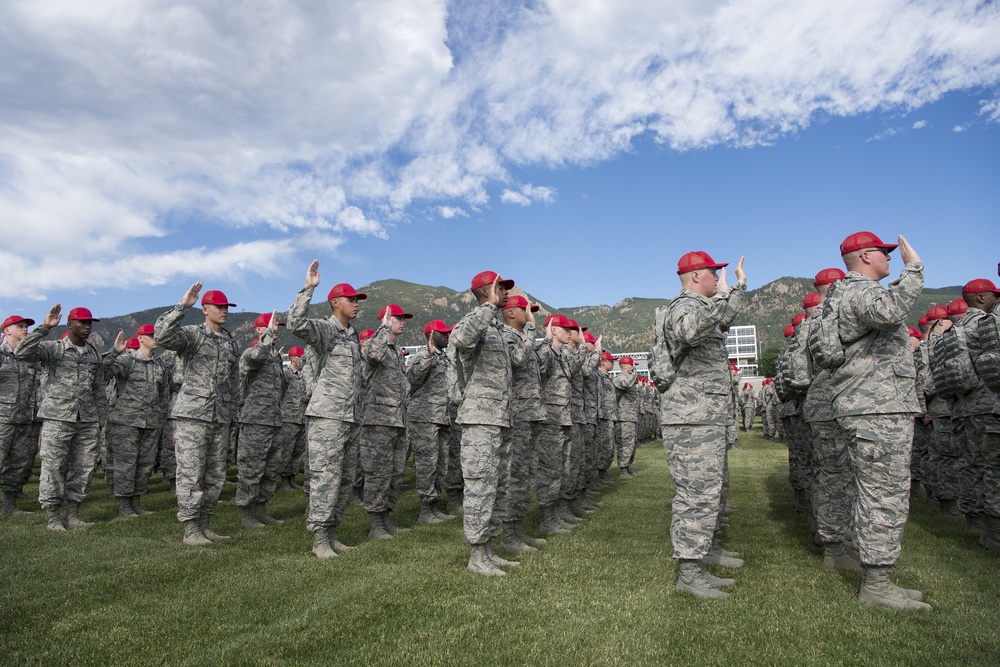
126, 592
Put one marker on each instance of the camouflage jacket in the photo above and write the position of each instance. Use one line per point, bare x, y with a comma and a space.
581, 378
262, 381
385, 382
918, 366
592, 388
142, 391
557, 381
478, 342
700, 395
527, 379
428, 392
337, 391
627, 397
209, 367
877, 376
768, 398
17, 387
747, 399
981, 400
607, 400
818, 403
168, 360
73, 382
293, 404
937, 406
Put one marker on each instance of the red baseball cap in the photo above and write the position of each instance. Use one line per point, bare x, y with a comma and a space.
132, 344
828, 276
607, 356
589, 338
626, 360
487, 278
923, 321
810, 300
214, 297
914, 332
64, 334
365, 334
734, 367
798, 318
957, 307
862, 241
296, 351
394, 311
343, 289
265, 320
14, 319
699, 259
81, 314
518, 301
980, 285
789, 331
145, 330
936, 313
559, 320
747, 384
436, 325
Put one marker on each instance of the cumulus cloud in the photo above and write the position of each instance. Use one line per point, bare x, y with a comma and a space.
882, 136
128, 126
920, 124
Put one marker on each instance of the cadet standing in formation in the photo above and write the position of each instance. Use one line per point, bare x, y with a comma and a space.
18, 448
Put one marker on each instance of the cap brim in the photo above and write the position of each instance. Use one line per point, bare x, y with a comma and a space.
506, 284
534, 309
83, 319
888, 246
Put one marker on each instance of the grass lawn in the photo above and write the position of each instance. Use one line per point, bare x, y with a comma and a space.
127, 592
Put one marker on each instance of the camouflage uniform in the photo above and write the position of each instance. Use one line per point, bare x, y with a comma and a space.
258, 457
292, 436
514, 498
17, 409
607, 416
922, 432
945, 453
383, 426
142, 394
205, 407
334, 411
875, 400
769, 403
797, 435
428, 424
693, 415
69, 409
590, 371
749, 406
628, 416
575, 480
167, 455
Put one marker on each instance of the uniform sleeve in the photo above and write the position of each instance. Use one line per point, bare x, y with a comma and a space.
34, 348
466, 334
378, 352
691, 323
312, 331
622, 382
420, 369
168, 331
575, 358
886, 309
257, 355
520, 345
544, 352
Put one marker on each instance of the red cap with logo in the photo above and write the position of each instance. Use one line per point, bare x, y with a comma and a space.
487, 278
394, 311
626, 361
828, 277
214, 297
296, 351
132, 344
265, 320
789, 331
810, 300
81, 314
518, 301
436, 325
798, 319
365, 334
343, 289
957, 307
145, 330
936, 313
914, 332
15, 319
980, 285
699, 259
862, 241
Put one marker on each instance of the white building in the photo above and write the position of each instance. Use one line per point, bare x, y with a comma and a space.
741, 344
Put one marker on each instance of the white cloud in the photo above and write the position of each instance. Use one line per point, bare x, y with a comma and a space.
960, 128
882, 136
122, 121
920, 124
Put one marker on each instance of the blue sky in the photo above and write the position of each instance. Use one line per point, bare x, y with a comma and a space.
577, 147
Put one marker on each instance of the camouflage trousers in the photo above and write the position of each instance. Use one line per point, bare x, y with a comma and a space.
572, 464
501, 506
769, 422
201, 449
333, 458
168, 459
625, 439
799, 465
991, 466
135, 456
17, 453
748, 415
430, 458
258, 460
481, 472
945, 471
732, 433
383, 459
523, 438
696, 457
975, 432
922, 434
833, 492
552, 444
106, 456
69, 455
292, 445
879, 446
589, 432
604, 438
453, 478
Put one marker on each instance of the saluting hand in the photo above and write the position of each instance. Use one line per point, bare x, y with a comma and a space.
906, 251
530, 316
597, 345
741, 275
191, 296
312, 274
52, 319
272, 326
494, 298
119, 344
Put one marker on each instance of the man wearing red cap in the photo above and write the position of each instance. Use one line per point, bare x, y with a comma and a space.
943, 471
482, 366
628, 415
17, 408
334, 409
748, 404
574, 490
607, 416
769, 403
875, 401
292, 436
987, 365
694, 413
69, 441
383, 425
791, 382
205, 407
134, 422
428, 423
258, 458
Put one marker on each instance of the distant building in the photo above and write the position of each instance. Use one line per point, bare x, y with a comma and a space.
742, 347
